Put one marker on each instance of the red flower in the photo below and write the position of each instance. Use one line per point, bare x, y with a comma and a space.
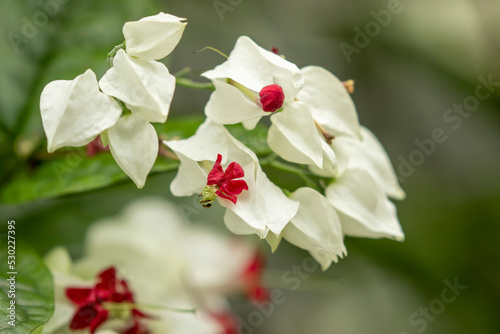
272, 98
252, 276
92, 313
227, 186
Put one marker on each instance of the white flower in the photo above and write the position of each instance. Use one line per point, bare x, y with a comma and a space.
261, 208
164, 263
146, 87
363, 207
368, 154
74, 112
253, 83
316, 227
133, 142
153, 37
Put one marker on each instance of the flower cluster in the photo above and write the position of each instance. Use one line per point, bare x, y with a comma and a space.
314, 129
136, 91
172, 279
313, 123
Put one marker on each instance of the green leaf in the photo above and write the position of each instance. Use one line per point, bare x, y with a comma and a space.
34, 292
73, 173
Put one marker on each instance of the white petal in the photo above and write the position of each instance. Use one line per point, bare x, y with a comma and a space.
228, 105
329, 101
368, 154
237, 225
145, 86
255, 68
153, 37
250, 206
134, 145
190, 178
294, 137
363, 207
279, 208
316, 227
74, 112
273, 241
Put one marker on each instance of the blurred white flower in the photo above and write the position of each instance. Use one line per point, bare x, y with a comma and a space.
153, 37
261, 208
253, 83
146, 87
166, 265
74, 111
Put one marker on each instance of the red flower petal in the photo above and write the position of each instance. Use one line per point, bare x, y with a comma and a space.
230, 197
271, 98
234, 171
78, 295
233, 187
101, 317
84, 316
217, 173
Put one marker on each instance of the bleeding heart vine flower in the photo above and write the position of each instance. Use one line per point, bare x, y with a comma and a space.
363, 179
254, 83
254, 204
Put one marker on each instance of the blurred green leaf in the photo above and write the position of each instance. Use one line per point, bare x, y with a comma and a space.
34, 293
71, 174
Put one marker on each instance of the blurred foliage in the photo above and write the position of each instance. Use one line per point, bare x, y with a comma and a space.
427, 59
32, 291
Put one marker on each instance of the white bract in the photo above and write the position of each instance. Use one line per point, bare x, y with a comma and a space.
74, 111
368, 154
153, 37
133, 142
363, 207
260, 209
253, 80
316, 227
329, 101
146, 87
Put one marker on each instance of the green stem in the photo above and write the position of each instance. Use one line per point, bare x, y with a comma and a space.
290, 169
193, 84
112, 53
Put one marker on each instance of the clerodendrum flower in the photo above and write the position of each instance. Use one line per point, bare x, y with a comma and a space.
75, 112
254, 204
254, 83
364, 180
364, 176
